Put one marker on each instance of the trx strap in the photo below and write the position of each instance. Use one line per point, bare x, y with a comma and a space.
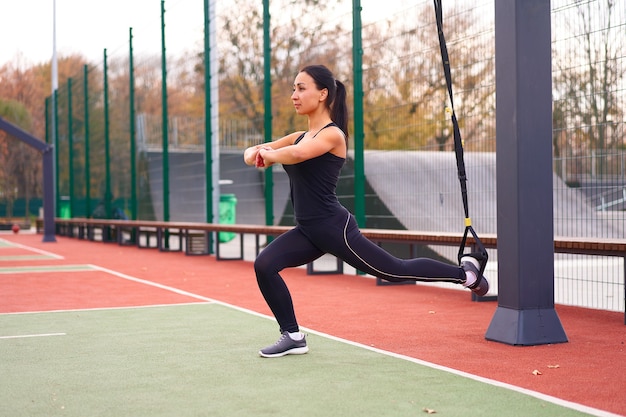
458, 143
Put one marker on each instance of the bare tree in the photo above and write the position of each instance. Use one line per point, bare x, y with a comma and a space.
588, 76
406, 93
300, 34
18, 162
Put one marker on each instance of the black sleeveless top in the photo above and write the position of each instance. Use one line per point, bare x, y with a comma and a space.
313, 185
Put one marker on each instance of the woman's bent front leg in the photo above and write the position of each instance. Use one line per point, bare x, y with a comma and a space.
290, 249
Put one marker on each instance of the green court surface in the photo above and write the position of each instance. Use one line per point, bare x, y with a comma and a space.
201, 360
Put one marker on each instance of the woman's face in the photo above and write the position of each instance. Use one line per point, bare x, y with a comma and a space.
306, 97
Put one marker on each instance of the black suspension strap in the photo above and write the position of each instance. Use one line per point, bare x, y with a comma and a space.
458, 142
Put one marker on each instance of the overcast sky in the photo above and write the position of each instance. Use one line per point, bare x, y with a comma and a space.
90, 26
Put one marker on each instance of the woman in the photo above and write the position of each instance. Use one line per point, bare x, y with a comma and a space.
313, 160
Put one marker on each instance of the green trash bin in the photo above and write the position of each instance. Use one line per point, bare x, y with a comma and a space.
64, 209
228, 210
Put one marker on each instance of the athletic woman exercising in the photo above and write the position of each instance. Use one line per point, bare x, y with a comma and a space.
313, 160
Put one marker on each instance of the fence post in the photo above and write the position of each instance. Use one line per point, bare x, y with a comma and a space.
55, 120
87, 164
165, 127
70, 147
359, 163
208, 127
48, 198
107, 153
267, 96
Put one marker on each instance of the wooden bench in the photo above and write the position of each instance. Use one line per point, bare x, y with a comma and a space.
155, 234
196, 238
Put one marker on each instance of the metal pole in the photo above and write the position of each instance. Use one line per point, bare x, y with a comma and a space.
165, 160
47, 118
207, 118
267, 98
359, 163
208, 125
48, 177
70, 146
55, 72
107, 154
55, 121
87, 164
131, 122
48, 197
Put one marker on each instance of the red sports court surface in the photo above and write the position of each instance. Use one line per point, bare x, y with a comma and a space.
436, 325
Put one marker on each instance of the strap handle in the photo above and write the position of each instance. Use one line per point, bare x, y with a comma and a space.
458, 142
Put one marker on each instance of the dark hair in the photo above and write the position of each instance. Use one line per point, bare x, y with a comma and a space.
336, 102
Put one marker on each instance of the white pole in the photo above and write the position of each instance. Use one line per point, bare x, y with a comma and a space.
55, 87
214, 112
55, 76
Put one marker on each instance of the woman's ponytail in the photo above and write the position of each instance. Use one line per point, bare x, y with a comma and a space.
339, 110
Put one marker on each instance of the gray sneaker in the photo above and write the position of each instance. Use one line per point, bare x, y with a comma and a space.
285, 346
471, 263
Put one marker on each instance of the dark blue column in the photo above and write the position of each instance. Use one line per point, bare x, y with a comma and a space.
48, 174
525, 313
48, 195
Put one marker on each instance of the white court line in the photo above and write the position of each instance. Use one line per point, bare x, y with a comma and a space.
544, 397
21, 336
151, 283
44, 269
20, 313
42, 252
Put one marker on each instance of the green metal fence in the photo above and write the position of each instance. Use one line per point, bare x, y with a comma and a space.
144, 131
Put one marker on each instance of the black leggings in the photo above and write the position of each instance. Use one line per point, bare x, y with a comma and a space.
341, 237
